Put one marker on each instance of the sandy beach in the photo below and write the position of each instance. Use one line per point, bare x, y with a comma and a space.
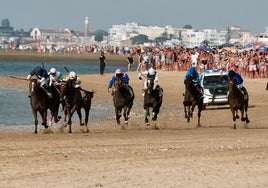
177, 155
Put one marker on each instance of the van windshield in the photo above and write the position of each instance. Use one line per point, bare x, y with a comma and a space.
215, 81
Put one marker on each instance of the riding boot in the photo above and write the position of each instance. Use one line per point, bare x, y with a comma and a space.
130, 91
245, 93
84, 97
46, 91
160, 92
143, 92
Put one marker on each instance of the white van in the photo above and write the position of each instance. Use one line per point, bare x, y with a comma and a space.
215, 87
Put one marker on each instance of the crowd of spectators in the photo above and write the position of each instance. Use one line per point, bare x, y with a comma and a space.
249, 63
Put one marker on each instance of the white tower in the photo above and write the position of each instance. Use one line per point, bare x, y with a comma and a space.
86, 27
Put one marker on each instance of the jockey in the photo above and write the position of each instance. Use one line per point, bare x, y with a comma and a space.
55, 77
192, 72
151, 73
42, 75
238, 81
75, 80
124, 76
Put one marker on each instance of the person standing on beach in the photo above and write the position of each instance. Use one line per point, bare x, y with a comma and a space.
102, 61
130, 62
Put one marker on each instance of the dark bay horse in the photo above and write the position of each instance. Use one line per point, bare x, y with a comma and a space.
192, 98
40, 102
237, 102
74, 102
122, 100
152, 99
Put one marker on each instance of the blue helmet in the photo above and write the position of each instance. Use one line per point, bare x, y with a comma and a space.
192, 70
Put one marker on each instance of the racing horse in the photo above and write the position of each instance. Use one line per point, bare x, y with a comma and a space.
74, 100
237, 101
122, 99
40, 102
153, 98
192, 98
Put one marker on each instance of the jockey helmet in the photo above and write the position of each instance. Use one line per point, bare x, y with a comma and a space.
151, 71
192, 70
52, 70
118, 71
72, 75
231, 74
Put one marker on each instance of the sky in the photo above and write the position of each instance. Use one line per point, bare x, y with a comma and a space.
249, 15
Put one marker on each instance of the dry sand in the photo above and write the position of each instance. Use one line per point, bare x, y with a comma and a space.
177, 155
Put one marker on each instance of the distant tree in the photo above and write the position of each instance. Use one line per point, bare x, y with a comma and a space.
140, 39
5, 23
99, 35
187, 27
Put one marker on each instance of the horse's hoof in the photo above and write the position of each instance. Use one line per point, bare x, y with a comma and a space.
198, 125
86, 131
247, 121
126, 122
118, 122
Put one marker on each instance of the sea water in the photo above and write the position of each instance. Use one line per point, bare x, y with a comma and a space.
15, 109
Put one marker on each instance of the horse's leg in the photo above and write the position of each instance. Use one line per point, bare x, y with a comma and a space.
44, 118
236, 114
188, 113
35, 121
200, 106
70, 115
117, 115
185, 112
246, 111
126, 113
86, 119
146, 115
192, 111
234, 117
78, 111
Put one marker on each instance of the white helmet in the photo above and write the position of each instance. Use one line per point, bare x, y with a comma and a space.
52, 70
151, 71
72, 75
118, 71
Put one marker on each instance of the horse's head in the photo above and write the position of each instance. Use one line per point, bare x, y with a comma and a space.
33, 84
150, 84
118, 83
231, 84
66, 87
189, 83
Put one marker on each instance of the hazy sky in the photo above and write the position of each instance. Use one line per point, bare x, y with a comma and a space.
201, 14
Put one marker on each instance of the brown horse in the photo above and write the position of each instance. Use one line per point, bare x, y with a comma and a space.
74, 101
40, 102
237, 102
191, 99
153, 98
122, 100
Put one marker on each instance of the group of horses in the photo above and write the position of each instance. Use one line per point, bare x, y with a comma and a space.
236, 100
123, 101
74, 99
